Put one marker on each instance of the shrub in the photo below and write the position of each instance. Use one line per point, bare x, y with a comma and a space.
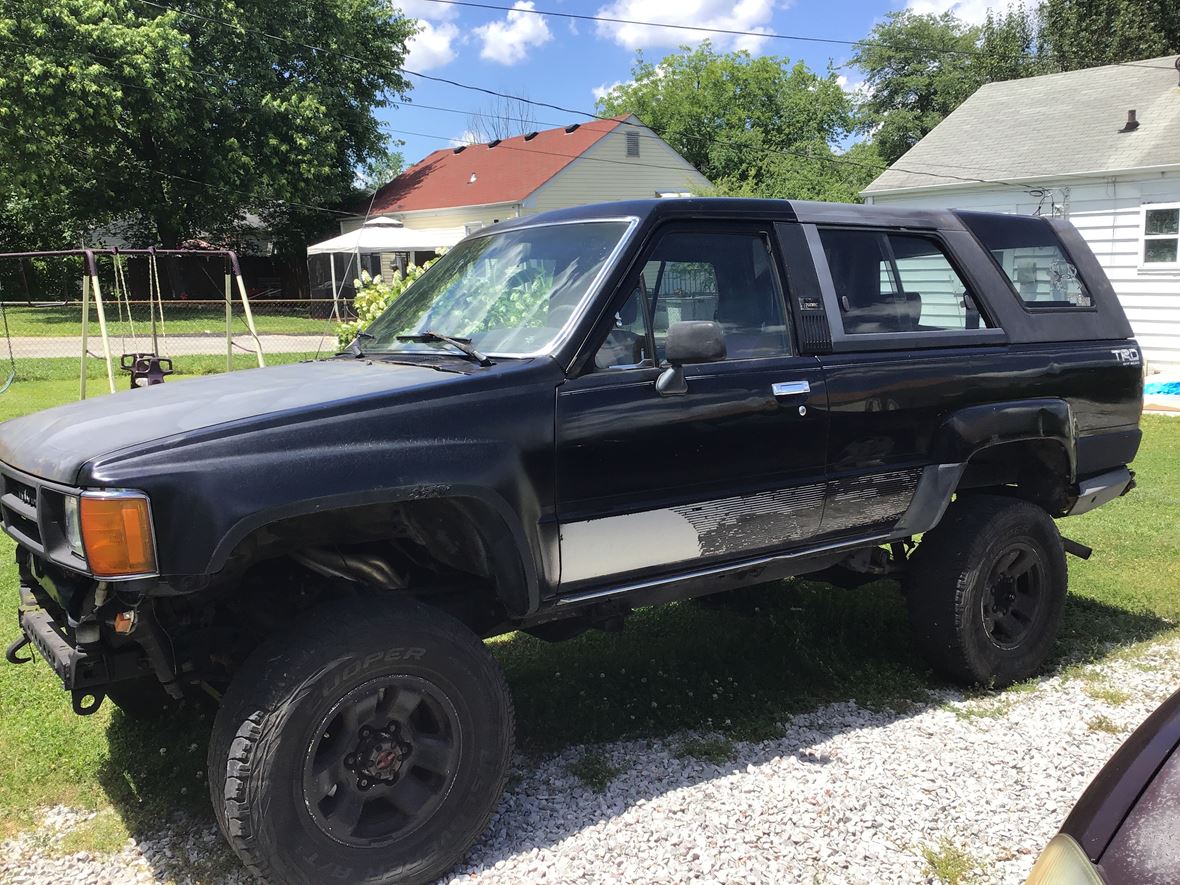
373, 296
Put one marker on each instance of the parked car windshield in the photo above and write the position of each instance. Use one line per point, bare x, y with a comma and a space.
508, 293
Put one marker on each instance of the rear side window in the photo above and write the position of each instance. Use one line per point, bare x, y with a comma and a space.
1030, 254
888, 283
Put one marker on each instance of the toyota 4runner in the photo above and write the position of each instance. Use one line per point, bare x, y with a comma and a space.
568, 416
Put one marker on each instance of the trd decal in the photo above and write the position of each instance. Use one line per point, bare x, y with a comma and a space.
1128, 356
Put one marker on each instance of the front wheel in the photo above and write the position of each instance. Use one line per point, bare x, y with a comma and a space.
370, 744
986, 590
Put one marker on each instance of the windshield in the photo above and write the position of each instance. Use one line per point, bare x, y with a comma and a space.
508, 293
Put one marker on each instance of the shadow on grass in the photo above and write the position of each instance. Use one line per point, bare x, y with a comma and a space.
781, 649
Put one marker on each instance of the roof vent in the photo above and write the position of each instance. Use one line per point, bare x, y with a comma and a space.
494, 142
1132, 123
572, 127
471, 180
460, 149
530, 136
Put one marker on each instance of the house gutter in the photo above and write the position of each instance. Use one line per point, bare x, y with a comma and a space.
1162, 169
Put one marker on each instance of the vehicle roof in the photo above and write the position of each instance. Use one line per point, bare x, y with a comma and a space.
773, 210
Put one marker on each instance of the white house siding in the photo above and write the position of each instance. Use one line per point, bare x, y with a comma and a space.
1108, 213
605, 172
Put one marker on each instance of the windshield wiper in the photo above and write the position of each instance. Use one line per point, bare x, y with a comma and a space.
463, 344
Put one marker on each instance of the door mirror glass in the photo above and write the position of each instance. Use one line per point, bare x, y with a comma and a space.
694, 341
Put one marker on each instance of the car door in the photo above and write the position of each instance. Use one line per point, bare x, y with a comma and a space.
911, 343
650, 483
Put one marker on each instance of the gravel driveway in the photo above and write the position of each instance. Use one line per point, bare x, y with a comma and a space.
846, 795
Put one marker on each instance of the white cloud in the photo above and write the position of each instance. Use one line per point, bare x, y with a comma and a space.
433, 45
468, 137
974, 12
426, 9
858, 89
508, 42
742, 15
605, 89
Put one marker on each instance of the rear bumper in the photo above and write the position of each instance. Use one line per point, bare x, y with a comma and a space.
1098, 490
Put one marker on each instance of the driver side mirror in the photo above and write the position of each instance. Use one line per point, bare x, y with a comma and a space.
688, 342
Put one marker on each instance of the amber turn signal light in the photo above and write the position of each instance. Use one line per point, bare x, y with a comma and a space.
117, 535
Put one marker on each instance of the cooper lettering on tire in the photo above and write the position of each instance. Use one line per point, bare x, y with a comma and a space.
369, 744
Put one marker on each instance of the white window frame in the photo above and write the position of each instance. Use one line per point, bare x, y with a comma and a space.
1144, 237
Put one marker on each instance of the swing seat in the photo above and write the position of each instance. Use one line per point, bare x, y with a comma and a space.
145, 369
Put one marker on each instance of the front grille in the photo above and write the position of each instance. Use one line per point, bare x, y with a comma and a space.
19, 502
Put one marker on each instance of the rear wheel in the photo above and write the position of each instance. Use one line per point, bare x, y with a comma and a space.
370, 744
986, 590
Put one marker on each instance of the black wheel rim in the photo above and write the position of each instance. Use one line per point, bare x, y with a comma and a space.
382, 761
1013, 595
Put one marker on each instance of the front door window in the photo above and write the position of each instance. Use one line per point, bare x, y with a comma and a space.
726, 277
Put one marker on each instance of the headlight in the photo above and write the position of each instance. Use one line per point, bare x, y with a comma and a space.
1063, 863
116, 529
74, 526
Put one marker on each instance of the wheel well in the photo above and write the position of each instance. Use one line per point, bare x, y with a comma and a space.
1037, 470
446, 551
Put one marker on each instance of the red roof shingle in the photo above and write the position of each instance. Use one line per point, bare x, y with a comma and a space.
506, 173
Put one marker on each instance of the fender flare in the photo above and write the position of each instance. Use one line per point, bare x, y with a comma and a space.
492, 516
968, 431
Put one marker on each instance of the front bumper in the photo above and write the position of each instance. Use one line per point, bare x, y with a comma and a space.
85, 669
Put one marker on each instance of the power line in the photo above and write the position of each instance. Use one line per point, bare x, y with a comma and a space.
253, 198
214, 102
800, 38
409, 104
534, 102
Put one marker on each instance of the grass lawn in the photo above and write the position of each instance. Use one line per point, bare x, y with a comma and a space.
180, 318
675, 667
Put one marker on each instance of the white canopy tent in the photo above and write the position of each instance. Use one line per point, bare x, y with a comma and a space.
381, 235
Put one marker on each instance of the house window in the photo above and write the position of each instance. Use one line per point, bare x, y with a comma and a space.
632, 143
1161, 235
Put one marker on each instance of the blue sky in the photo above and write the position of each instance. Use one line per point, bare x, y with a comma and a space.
568, 62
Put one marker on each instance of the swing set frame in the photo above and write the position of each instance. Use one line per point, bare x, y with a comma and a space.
91, 288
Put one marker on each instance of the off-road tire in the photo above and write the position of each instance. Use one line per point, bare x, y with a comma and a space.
947, 588
264, 734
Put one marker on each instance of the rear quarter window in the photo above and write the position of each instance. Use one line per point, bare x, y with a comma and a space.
1030, 254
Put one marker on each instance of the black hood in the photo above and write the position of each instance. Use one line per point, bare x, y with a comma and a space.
56, 443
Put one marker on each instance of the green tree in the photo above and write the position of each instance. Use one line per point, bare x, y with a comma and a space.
754, 126
119, 110
1087, 33
380, 170
917, 69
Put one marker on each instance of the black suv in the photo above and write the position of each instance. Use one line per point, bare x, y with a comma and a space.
568, 416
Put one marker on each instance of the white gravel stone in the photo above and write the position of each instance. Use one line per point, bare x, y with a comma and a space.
846, 795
